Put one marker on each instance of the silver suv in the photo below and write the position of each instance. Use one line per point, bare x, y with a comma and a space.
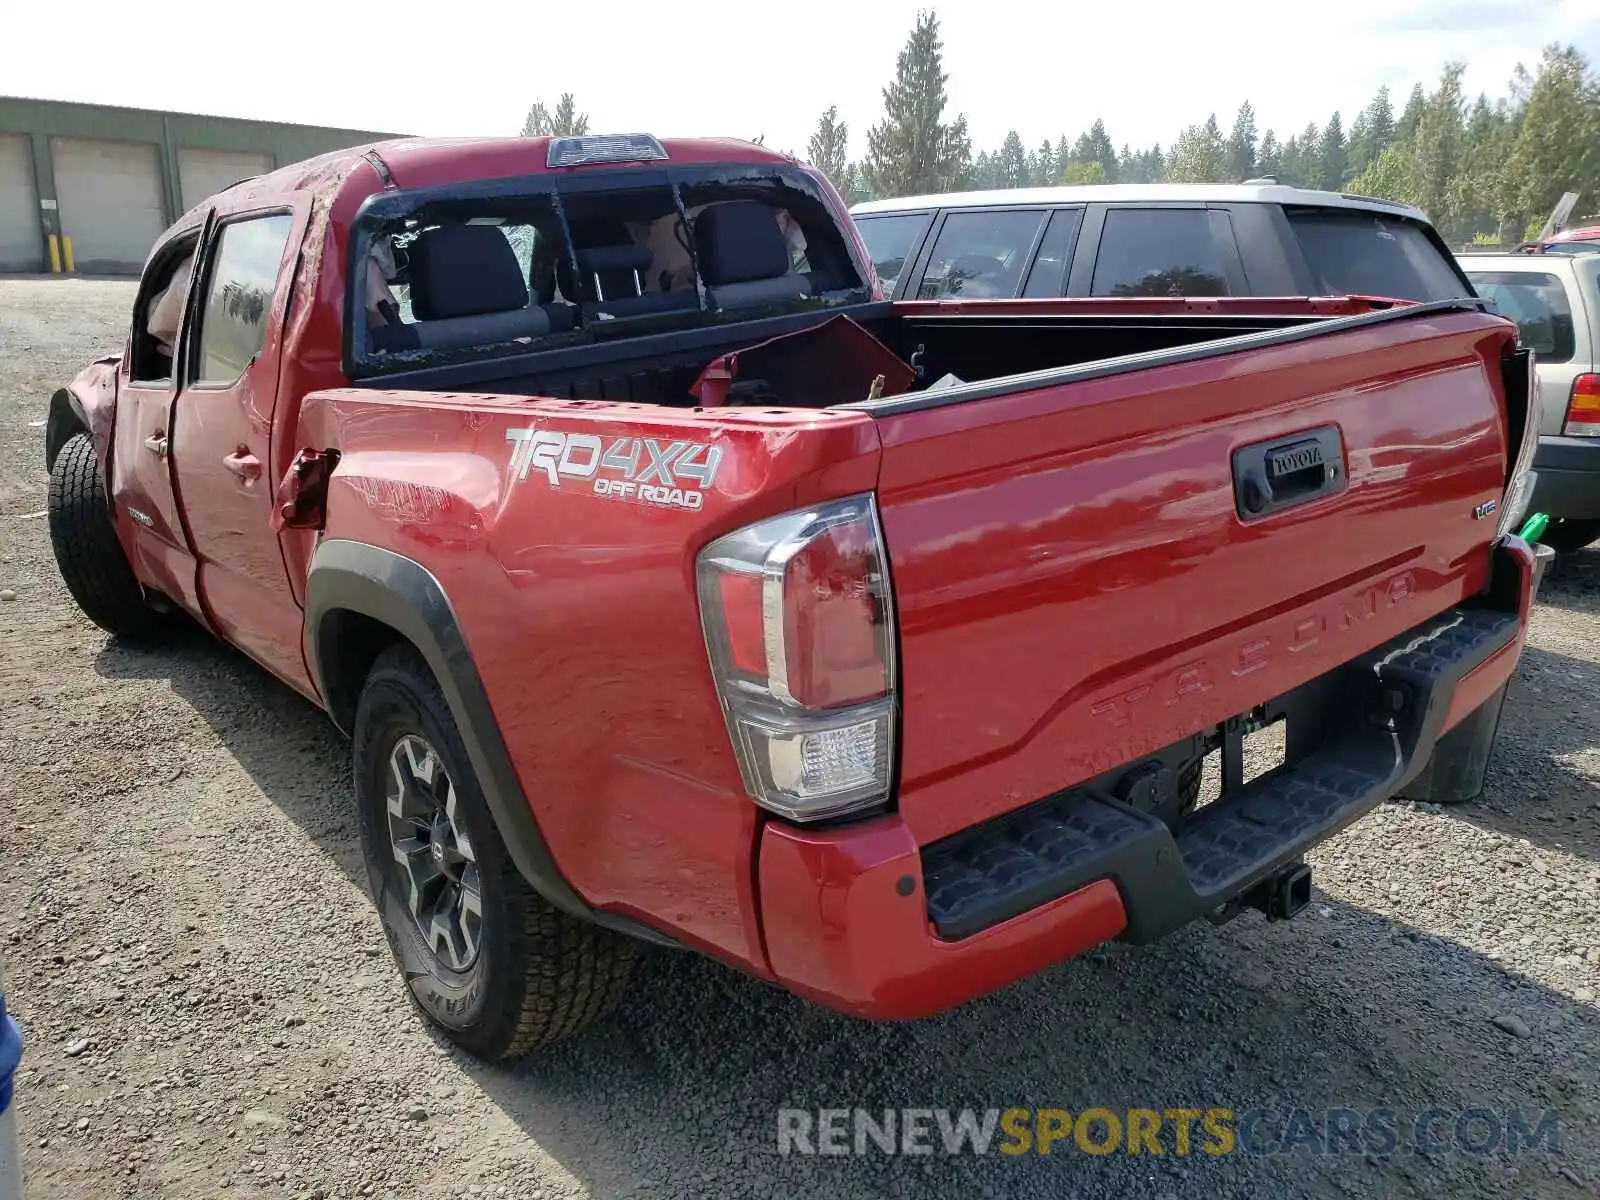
1555, 301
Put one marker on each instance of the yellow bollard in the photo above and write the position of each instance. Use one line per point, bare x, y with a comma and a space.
66, 253
55, 255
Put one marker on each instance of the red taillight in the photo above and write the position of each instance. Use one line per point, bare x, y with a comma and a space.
799, 624
833, 620
1583, 408
741, 613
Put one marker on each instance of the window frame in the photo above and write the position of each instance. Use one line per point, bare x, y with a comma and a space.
1224, 242
936, 231
195, 310
1067, 260
170, 253
913, 256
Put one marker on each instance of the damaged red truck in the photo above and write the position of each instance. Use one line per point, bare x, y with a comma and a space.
672, 586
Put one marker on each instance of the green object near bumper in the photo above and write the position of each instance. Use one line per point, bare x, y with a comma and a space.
1533, 528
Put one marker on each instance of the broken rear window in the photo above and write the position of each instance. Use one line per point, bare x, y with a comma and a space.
442, 277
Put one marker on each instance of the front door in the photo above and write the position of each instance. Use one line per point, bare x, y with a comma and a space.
221, 436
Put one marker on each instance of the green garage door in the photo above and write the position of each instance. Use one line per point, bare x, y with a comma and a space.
110, 196
203, 173
21, 236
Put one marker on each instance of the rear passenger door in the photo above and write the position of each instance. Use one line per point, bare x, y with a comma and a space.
221, 439
1157, 250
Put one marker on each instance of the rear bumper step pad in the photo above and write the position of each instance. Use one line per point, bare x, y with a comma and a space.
1393, 705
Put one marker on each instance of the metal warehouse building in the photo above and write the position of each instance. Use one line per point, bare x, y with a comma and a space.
89, 187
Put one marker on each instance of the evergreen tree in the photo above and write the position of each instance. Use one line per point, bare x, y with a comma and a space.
1063, 157
1405, 129
1201, 156
1042, 170
1095, 147
1269, 160
1242, 143
1371, 133
829, 147
1436, 147
1011, 164
913, 149
1558, 146
1331, 156
566, 121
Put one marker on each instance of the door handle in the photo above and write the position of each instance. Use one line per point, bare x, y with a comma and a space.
156, 443
243, 464
1270, 476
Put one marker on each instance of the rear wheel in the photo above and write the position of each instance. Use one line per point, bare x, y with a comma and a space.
87, 551
487, 959
1566, 536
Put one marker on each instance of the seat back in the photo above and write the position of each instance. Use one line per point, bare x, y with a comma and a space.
467, 289
744, 257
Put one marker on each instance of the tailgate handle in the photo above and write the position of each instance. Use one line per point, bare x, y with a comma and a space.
1271, 476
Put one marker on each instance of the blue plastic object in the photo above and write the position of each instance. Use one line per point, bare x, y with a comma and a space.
10, 1053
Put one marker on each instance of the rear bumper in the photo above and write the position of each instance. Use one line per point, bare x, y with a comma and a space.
863, 919
1568, 484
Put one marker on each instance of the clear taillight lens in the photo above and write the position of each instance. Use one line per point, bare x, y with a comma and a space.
1583, 408
1514, 504
799, 623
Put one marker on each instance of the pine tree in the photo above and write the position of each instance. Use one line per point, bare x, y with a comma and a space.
1063, 156
1094, 146
1242, 143
1043, 170
829, 147
1371, 133
566, 121
1269, 160
1011, 164
1558, 147
1406, 127
1436, 147
984, 174
1289, 161
1201, 156
1332, 154
913, 149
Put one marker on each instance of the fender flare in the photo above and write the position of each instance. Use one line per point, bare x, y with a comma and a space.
401, 593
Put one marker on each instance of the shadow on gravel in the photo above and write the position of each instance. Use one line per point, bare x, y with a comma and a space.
678, 1094
1573, 582
286, 745
1534, 788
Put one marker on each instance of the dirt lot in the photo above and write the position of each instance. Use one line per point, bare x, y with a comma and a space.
211, 1012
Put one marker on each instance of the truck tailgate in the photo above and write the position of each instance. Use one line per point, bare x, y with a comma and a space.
1080, 578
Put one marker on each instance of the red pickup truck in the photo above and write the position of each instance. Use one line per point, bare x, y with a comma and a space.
674, 586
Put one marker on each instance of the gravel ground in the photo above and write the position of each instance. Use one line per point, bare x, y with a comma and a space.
211, 1011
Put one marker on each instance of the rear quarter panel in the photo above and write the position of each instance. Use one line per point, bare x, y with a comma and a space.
581, 616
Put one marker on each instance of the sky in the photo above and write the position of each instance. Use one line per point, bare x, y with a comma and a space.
1147, 68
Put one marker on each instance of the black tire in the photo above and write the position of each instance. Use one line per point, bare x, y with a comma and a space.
1567, 536
538, 975
88, 554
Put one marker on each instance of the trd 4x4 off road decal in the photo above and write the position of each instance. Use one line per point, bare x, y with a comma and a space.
643, 470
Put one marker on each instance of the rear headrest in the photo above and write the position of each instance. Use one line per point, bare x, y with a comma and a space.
738, 241
614, 258
464, 270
